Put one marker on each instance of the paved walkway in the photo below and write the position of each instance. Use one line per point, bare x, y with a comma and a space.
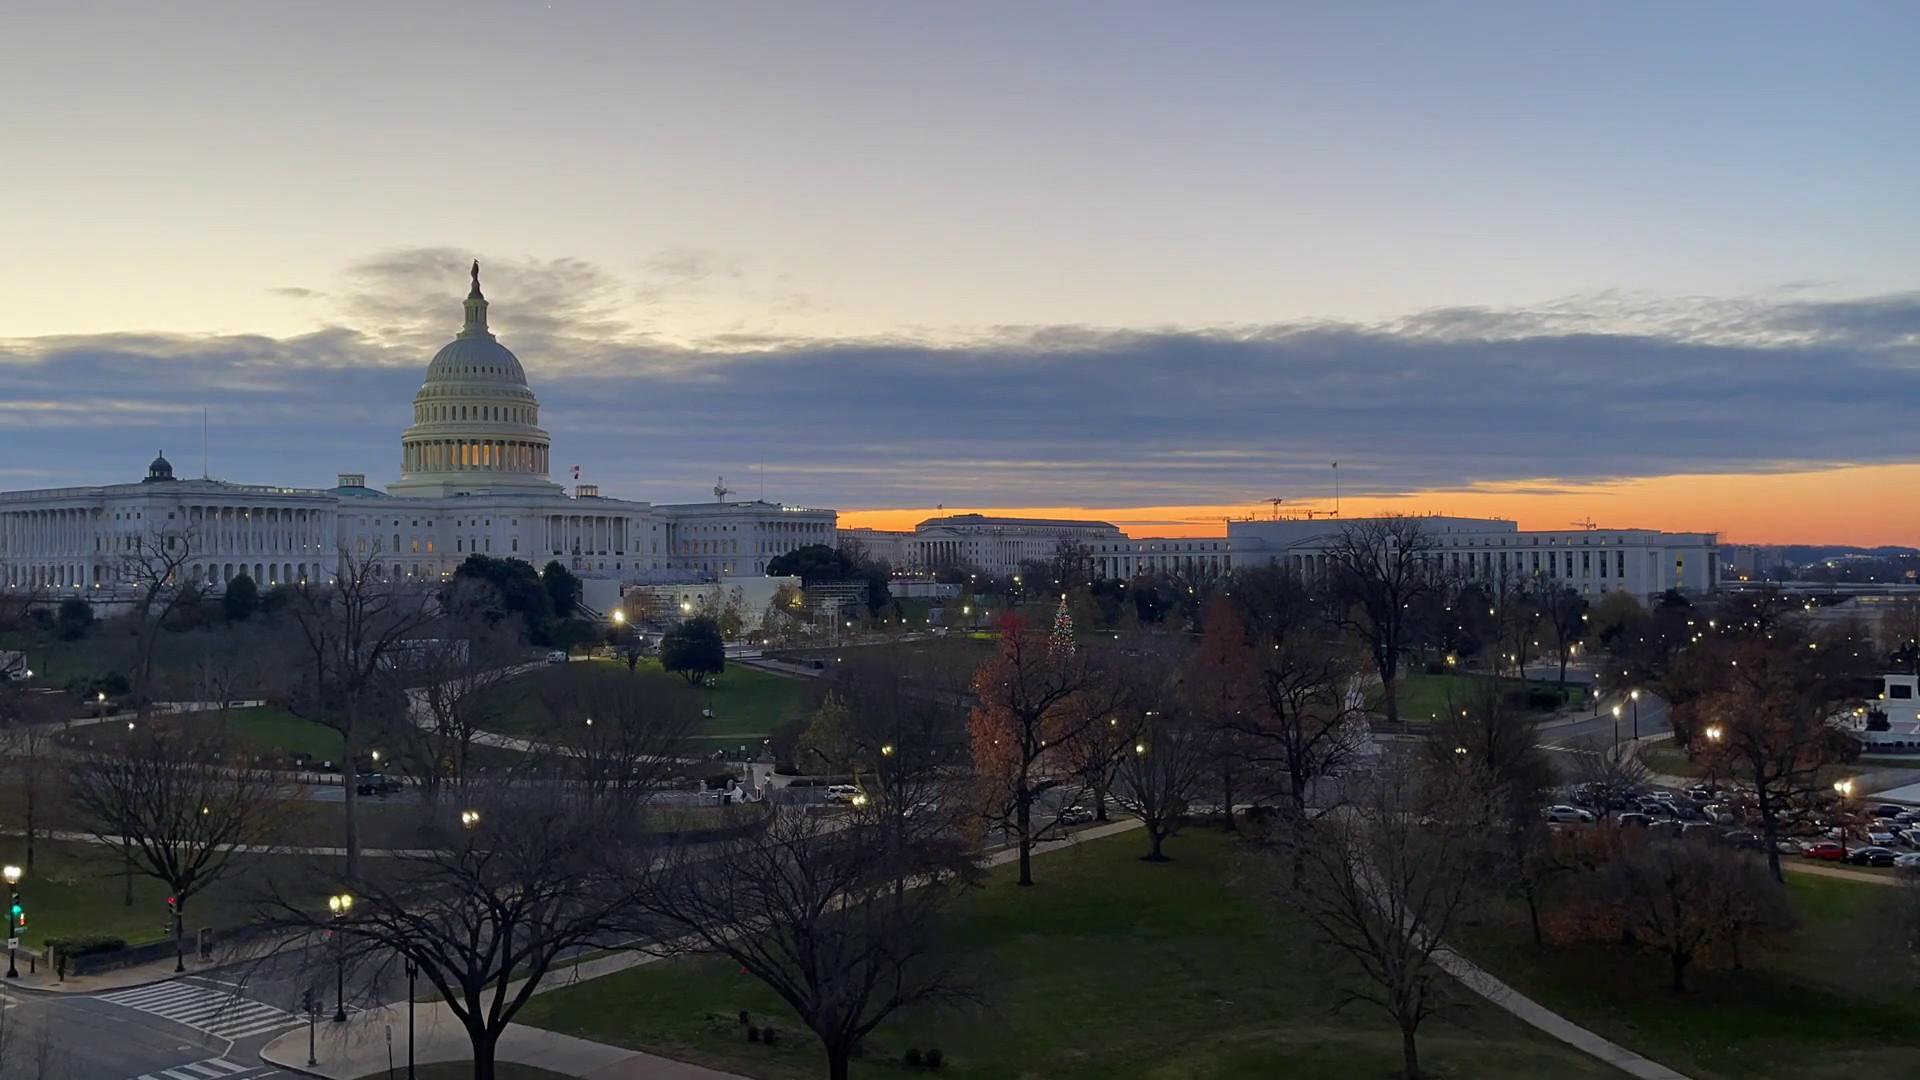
1803, 866
1474, 978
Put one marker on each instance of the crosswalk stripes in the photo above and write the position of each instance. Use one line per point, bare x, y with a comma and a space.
216, 1012
210, 1069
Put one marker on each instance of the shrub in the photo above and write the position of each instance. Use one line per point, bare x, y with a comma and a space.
86, 944
745, 1019
935, 1058
753, 1034
770, 1036
911, 1059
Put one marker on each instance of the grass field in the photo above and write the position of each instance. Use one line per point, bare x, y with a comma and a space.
264, 730
1425, 697
1108, 968
1836, 1001
77, 888
746, 702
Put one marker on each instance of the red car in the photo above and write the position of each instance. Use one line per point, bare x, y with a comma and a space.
1825, 849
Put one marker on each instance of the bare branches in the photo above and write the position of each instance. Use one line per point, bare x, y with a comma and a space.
1380, 569
175, 808
1385, 880
813, 910
525, 874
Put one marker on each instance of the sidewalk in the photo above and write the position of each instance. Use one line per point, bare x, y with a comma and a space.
359, 1046
1476, 979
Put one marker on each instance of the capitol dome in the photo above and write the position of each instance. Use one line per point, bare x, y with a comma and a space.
475, 420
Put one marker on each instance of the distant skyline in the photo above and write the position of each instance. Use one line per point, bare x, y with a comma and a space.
1646, 263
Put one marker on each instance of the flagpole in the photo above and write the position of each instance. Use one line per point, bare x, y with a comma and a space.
1336, 489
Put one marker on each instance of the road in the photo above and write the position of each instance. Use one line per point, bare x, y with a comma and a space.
188, 1029
1594, 734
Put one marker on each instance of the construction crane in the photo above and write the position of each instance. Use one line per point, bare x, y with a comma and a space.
1588, 524
721, 490
1275, 503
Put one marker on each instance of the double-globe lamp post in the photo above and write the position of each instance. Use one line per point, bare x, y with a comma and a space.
340, 905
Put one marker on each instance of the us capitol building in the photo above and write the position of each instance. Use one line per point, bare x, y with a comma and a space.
473, 479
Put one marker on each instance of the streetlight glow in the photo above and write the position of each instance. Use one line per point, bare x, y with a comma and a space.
12, 874
469, 818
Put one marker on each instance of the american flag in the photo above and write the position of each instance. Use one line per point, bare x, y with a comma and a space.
576, 472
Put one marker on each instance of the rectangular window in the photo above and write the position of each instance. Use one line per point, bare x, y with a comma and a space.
1586, 564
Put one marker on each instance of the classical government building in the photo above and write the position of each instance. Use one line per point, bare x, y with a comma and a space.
1643, 562
474, 478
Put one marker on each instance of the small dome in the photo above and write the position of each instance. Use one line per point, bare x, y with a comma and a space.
476, 360
160, 468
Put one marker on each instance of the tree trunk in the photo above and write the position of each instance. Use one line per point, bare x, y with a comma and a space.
1226, 792
837, 1064
349, 789
1533, 917
1388, 669
1154, 837
1100, 802
1679, 962
483, 1054
1023, 820
126, 867
179, 933
1409, 1052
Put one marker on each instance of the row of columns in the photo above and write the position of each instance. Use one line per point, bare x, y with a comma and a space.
465, 455
589, 534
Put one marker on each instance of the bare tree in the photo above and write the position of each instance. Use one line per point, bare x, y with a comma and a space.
1380, 569
349, 634
812, 909
1033, 701
31, 720
1563, 616
453, 678
1170, 758
1298, 719
614, 736
1385, 880
154, 564
175, 808
500, 892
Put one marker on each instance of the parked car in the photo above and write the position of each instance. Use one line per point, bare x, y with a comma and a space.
841, 792
1789, 847
1564, 814
1743, 840
1694, 828
1829, 850
1881, 838
1633, 820
1889, 810
557, 656
1075, 815
1870, 856
378, 784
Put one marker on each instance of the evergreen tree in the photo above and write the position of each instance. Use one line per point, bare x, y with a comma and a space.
1061, 639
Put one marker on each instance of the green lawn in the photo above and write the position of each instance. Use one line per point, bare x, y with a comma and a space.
1662, 756
266, 731
1834, 1002
77, 888
746, 702
1425, 697
1108, 968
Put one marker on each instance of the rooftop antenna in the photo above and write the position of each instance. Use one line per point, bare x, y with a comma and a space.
206, 470
1336, 489
721, 490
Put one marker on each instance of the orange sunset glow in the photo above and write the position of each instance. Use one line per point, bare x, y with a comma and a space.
1850, 505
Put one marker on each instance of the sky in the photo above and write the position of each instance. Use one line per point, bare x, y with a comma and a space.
1645, 264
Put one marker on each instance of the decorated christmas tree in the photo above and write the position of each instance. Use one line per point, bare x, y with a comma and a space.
1061, 639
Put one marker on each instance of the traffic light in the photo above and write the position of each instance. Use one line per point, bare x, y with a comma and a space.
19, 916
173, 905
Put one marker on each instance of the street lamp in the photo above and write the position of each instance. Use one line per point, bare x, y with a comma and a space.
340, 904
469, 818
412, 970
12, 874
1844, 788
619, 616
1635, 695
1616, 725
